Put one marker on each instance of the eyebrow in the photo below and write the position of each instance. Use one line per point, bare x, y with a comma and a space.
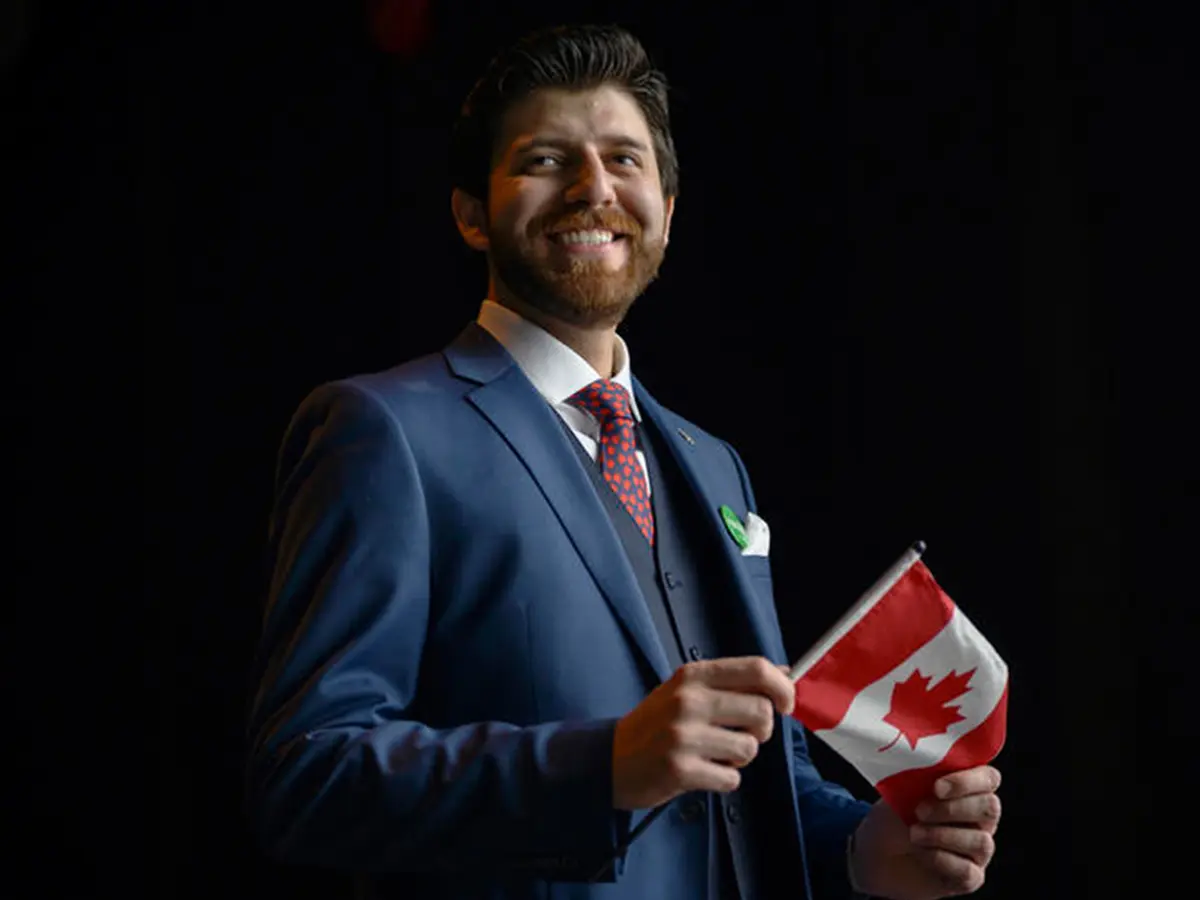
612, 140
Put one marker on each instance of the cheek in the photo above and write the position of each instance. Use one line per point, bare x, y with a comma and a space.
504, 225
650, 212
653, 224
519, 207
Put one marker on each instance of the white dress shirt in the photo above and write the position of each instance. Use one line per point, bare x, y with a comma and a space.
557, 372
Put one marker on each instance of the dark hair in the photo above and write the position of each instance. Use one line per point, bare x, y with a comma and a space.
576, 57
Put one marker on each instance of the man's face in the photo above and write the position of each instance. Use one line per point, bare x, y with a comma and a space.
577, 221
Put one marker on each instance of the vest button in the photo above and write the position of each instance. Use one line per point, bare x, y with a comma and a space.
692, 810
671, 580
733, 812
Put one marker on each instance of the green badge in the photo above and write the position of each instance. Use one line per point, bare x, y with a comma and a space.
737, 530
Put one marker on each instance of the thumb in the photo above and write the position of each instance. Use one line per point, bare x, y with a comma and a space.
787, 671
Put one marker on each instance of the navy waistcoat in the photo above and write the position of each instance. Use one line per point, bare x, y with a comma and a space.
692, 602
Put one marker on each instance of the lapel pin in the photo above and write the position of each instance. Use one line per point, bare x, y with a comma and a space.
687, 437
734, 526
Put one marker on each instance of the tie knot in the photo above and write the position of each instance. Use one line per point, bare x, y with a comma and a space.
604, 399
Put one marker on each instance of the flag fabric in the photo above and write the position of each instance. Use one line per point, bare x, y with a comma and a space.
904, 687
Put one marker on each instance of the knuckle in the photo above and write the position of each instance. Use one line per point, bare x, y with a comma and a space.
767, 729
677, 737
761, 668
688, 702
974, 879
962, 877
954, 873
991, 807
764, 718
988, 808
749, 748
678, 768
987, 845
764, 710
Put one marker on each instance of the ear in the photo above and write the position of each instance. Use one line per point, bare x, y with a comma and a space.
670, 211
470, 216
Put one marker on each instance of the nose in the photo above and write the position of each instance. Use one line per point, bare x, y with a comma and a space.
592, 184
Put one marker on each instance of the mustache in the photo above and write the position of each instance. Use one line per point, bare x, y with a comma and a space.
592, 220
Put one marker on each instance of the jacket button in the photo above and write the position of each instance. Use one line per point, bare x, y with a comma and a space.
733, 812
694, 652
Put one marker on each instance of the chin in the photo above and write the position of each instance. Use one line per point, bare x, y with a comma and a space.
583, 310
583, 295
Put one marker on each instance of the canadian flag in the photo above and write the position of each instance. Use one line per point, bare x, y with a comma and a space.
904, 687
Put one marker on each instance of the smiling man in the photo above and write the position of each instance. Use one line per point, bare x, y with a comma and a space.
574, 216
514, 609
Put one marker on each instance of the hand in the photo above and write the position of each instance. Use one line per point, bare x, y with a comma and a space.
945, 854
696, 730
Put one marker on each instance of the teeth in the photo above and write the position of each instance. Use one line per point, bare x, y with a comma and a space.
586, 237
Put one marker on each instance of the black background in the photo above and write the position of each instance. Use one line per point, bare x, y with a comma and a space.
929, 273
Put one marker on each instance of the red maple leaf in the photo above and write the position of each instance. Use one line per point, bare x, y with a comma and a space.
919, 710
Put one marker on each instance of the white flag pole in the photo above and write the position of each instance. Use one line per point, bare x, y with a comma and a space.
870, 597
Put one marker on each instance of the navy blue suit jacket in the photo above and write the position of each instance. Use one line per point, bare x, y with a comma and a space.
452, 632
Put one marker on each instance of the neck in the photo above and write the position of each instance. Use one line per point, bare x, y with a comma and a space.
595, 344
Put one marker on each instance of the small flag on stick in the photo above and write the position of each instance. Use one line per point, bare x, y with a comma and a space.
904, 687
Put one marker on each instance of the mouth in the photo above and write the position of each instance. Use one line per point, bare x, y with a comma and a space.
589, 240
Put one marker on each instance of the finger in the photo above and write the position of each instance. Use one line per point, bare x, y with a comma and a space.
747, 674
979, 780
980, 810
750, 712
698, 703
694, 773
972, 843
734, 748
957, 873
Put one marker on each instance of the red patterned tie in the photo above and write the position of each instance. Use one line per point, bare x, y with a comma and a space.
609, 403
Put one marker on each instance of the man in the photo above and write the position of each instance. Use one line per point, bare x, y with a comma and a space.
508, 618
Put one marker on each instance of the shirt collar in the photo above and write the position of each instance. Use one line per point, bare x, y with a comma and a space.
555, 370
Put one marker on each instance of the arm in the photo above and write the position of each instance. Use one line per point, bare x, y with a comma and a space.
340, 772
829, 815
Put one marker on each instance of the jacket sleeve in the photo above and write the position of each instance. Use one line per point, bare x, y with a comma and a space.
339, 772
829, 814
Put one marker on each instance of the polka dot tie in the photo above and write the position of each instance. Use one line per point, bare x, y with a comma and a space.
609, 403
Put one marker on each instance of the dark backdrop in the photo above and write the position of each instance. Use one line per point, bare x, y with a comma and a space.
928, 257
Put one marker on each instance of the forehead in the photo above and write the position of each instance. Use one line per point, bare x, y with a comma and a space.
595, 114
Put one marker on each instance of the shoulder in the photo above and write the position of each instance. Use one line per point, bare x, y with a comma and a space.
401, 392
373, 427
380, 412
426, 379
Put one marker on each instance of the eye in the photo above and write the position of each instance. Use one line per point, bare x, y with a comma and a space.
626, 160
542, 161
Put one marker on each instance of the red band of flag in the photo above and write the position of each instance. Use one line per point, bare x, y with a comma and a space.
897, 626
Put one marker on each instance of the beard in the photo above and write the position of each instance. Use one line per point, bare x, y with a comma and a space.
582, 292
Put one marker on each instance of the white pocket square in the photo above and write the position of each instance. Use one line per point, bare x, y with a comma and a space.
758, 536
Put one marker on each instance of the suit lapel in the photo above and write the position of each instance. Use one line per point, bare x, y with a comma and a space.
521, 415
684, 453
